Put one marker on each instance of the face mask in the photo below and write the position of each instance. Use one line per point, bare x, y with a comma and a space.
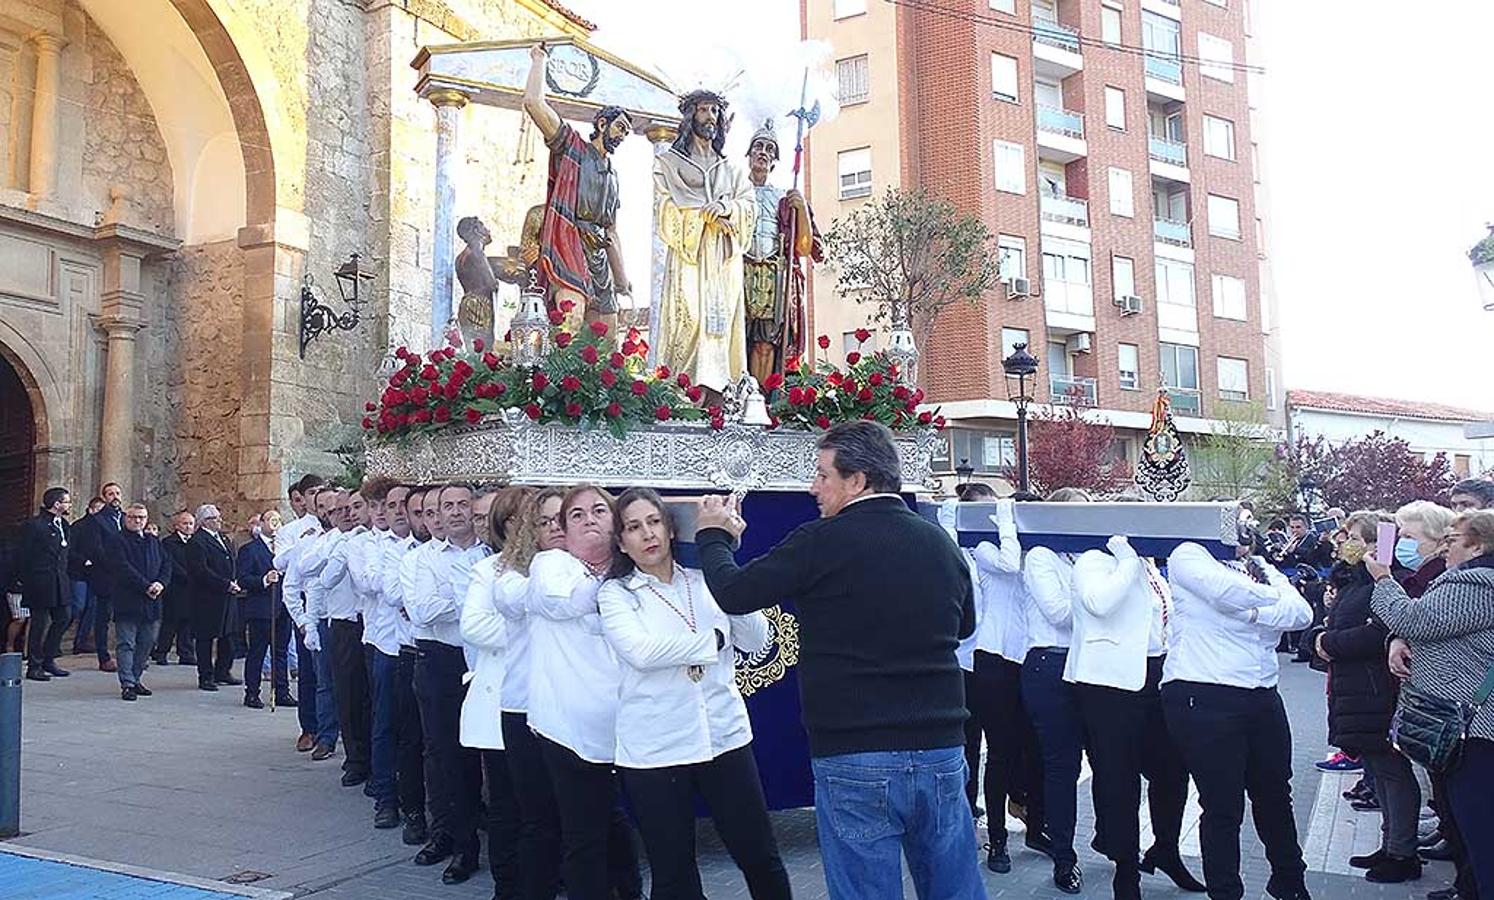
1406, 553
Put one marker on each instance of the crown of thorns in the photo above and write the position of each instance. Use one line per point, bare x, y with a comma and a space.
695, 98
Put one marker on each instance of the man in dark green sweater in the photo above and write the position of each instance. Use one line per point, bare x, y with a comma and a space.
883, 598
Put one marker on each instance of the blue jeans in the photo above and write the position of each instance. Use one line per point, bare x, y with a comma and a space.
326, 704
1054, 708
870, 806
133, 639
383, 670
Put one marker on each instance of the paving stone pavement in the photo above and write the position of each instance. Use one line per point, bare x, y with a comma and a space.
194, 783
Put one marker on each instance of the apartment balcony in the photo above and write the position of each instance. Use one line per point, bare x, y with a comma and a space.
1069, 305
1169, 231
1185, 401
1169, 159
1164, 76
1065, 210
1060, 134
1068, 390
1055, 49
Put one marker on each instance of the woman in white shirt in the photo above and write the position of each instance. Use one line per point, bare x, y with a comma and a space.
573, 692
1050, 701
682, 727
486, 635
535, 530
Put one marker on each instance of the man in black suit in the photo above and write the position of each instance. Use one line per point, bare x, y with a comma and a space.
45, 587
140, 572
176, 601
88, 560
256, 567
210, 561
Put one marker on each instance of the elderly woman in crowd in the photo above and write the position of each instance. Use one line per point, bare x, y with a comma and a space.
1450, 630
1361, 701
1423, 525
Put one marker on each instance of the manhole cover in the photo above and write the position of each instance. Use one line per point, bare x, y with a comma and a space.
247, 876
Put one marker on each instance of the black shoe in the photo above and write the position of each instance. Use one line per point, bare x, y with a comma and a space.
1369, 860
228, 680
415, 832
1447, 893
253, 702
206, 684
1360, 791
1431, 839
37, 675
127, 693
997, 859
353, 778
55, 670
977, 810
1394, 870
461, 867
368, 790
186, 661
1171, 866
1041, 843
386, 815
321, 752
1438, 852
1287, 890
438, 849
1068, 879
1369, 805
286, 701
142, 691
159, 660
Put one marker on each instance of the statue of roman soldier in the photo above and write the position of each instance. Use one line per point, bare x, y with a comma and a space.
774, 272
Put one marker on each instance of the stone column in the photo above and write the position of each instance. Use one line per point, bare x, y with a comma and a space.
117, 429
123, 305
448, 103
661, 136
46, 116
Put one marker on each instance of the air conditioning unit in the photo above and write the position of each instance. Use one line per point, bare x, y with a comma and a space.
1083, 342
1017, 288
1130, 304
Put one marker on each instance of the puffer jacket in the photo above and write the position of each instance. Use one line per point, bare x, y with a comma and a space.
1361, 690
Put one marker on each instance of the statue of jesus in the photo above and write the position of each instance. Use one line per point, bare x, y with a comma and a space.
703, 212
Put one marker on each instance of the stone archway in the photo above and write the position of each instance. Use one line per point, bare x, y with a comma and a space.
21, 432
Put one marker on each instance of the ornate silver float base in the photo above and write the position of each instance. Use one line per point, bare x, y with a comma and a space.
511, 449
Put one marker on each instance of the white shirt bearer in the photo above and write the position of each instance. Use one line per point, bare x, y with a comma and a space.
1121, 604
485, 632
679, 703
442, 575
573, 674
1049, 578
1226, 625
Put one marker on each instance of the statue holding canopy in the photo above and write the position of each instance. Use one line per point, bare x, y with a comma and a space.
704, 211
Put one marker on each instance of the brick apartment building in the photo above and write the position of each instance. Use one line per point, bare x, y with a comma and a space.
1110, 145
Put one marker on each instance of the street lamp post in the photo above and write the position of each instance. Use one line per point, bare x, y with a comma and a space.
964, 470
1020, 366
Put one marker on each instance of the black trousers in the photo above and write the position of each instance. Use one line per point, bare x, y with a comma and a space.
44, 640
598, 854
972, 744
1236, 741
453, 773
1128, 739
1447, 825
409, 760
176, 626
664, 802
1469, 798
1013, 765
254, 660
539, 817
1060, 735
502, 826
350, 690
218, 668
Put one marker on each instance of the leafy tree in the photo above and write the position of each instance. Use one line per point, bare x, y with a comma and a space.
1065, 450
1235, 457
912, 255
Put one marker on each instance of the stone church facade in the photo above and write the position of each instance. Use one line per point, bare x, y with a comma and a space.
169, 172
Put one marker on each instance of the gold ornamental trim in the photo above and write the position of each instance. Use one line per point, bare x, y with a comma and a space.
770, 664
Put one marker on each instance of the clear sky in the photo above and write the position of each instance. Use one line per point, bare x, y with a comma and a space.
1377, 152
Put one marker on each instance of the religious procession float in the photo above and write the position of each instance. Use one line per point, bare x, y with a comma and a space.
721, 392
